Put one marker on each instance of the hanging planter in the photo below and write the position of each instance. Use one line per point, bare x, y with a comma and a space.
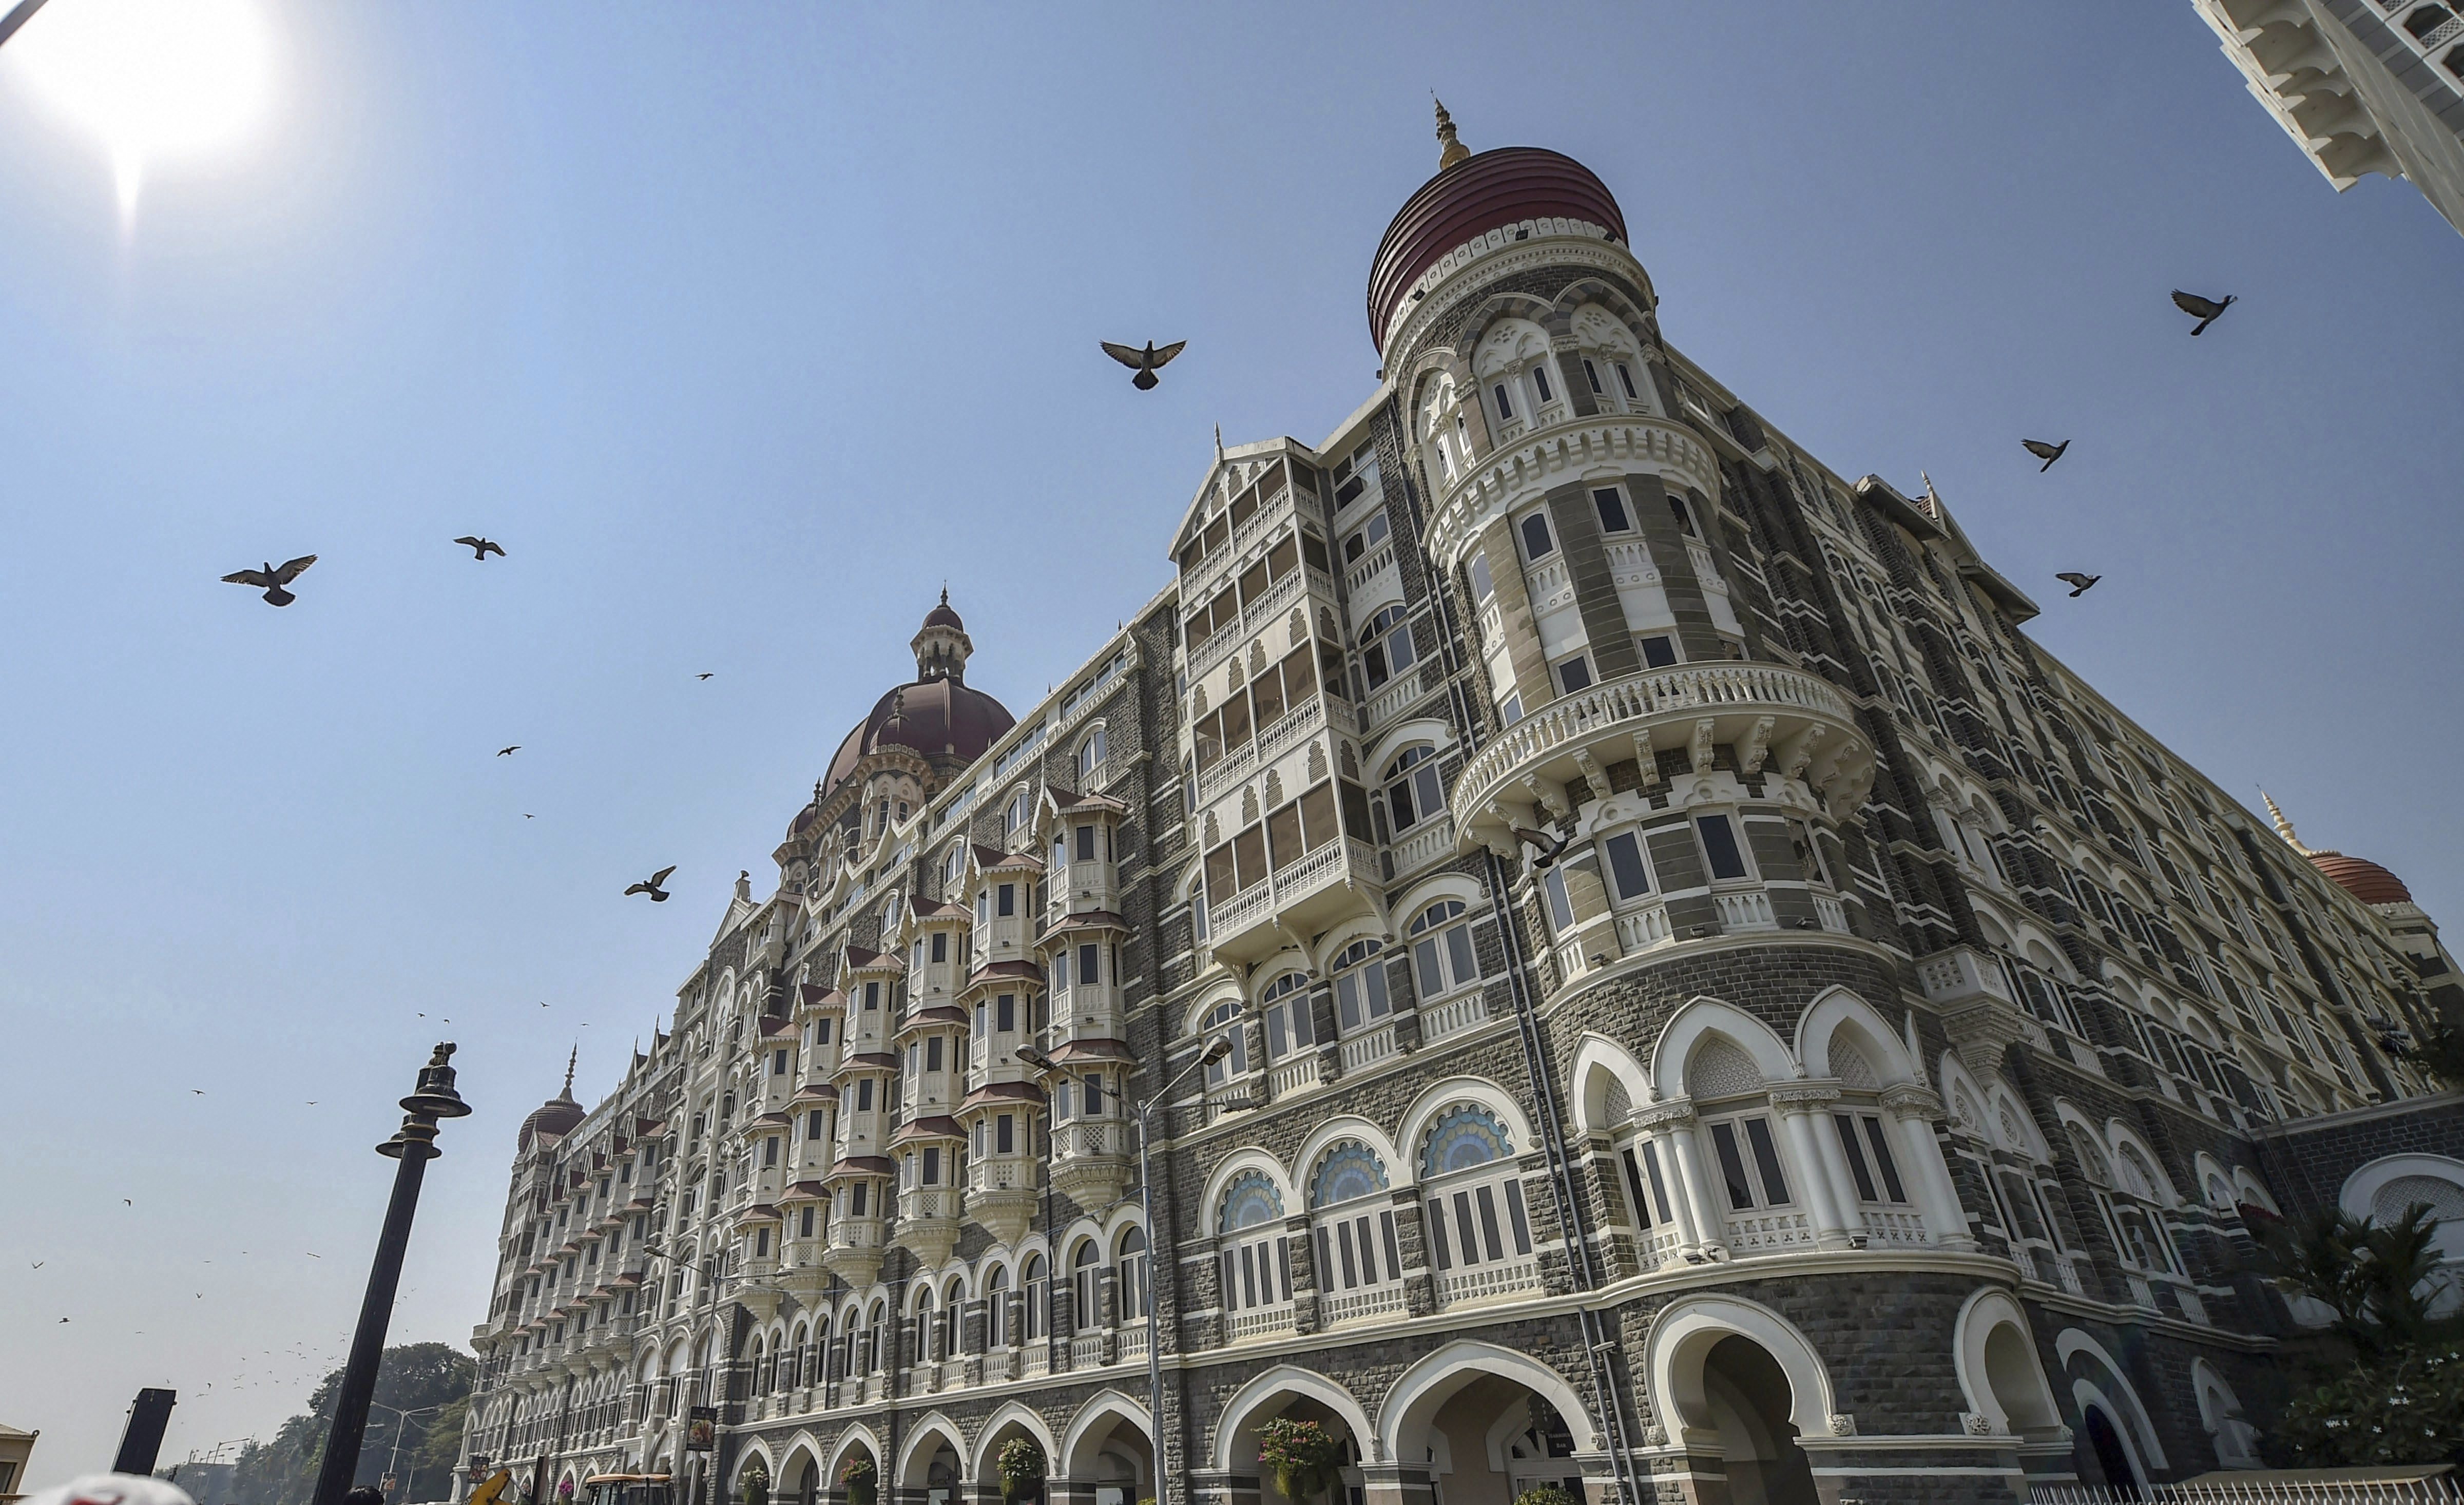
1022, 1469
1300, 1458
857, 1478
755, 1484
1545, 1495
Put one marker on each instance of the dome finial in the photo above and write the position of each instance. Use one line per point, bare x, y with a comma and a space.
570, 1062
2284, 826
1453, 150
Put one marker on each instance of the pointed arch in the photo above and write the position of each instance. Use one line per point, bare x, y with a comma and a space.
1839, 1015
1413, 1400
987, 1456
857, 1436
1682, 1336
1603, 1070
2104, 1380
1706, 1016
933, 1427
1085, 1430
1286, 1378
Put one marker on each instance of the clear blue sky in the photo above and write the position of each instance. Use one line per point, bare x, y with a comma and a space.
744, 327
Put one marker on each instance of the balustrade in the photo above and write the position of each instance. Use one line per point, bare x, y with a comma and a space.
1368, 1049
1639, 931
1453, 1016
1482, 1282
1261, 1321
1346, 1306
1748, 909
1768, 1232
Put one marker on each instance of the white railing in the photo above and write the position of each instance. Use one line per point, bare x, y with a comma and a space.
1226, 770
2193, 1307
1662, 1245
2440, 1489
1428, 841
2140, 1293
1453, 1015
1381, 558
1620, 705
1749, 910
1891, 1226
997, 1366
1641, 929
1277, 508
1832, 915
1345, 1307
1259, 1321
1549, 583
954, 1374
1086, 1138
1087, 1351
1133, 1342
1630, 563
1769, 1232
1484, 1281
1296, 1074
1232, 915
1232, 1097
1514, 471
1392, 699
1035, 1359
1367, 1050
1705, 573
1254, 620
1571, 962
1288, 727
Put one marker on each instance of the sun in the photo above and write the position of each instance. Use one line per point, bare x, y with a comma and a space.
154, 79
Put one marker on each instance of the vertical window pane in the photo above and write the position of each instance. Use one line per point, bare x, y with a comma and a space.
1347, 996
1574, 674
1882, 1162
1394, 1255
1732, 1166
1465, 1229
1540, 380
1611, 509
1374, 980
1487, 1197
1855, 1155
1521, 1225
1658, 1187
1591, 376
1283, 1265
1720, 846
1458, 953
1424, 955
1561, 910
1249, 1275
1659, 652
1536, 542
1634, 1186
1343, 1251
1438, 1234
1758, 1134
1626, 865
1505, 404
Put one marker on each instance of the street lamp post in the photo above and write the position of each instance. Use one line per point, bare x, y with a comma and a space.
1215, 1050
401, 1419
413, 1145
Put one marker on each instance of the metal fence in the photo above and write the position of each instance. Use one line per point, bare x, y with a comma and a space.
2439, 1490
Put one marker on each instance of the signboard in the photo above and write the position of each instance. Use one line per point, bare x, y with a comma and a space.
701, 1428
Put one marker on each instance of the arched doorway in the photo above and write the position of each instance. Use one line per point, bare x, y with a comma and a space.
1482, 1424
2101, 1445
1105, 1458
1748, 1401
1301, 1396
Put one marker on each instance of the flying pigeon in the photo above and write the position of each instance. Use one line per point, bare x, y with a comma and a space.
1550, 846
2207, 310
1145, 362
2078, 582
272, 579
2047, 453
658, 895
704, 676
509, 752
481, 548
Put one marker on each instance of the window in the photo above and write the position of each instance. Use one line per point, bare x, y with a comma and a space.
1441, 950
1720, 846
1642, 1163
941, 945
1357, 1245
1659, 652
817, 1126
1766, 1185
1482, 586
1386, 645
1574, 674
1882, 1164
1809, 854
1086, 843
1288, 1014
1004, 1134
1684, 517
1225, 1020
1611, 506
1360, 986
931, 1165
1015, 815
1560, 905
1367, 539
933, 1053
779, 1062
1537, 541
1476, 1215
1625, 380
770, 1152
1091, 752
1085, 1270
863, 1095
1591, 376
1132, 1277
1505, 404
1257, 1266
1540, 381
1626, 870
1413, 793
1005, 1013
1509, 710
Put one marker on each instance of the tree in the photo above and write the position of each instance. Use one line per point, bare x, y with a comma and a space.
412, 1377
2409, 1413
2379, 1281
2395, 1390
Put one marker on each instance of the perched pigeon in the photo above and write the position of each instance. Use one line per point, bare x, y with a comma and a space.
1145, 362
481, 548
658, 895
2078, 582
272, 579
2047, 453
2207, 310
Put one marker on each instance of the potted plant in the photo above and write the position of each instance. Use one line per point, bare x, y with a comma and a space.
1022, 1469
755, 1484
1299, 1456
1545, 1495
857, 1479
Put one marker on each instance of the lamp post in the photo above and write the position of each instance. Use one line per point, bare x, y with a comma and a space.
1215, 1050
400, 1418
413, 1145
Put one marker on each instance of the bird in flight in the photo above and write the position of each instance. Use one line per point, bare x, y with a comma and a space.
124, 1202
2207, 310
2047, 453
272, 579
1145, 362
1550, 846
704, 676
38, 1264
2078, 582
509, 752
481, 548
197, 1091
658, 895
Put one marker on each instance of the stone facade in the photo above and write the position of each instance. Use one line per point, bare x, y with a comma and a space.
1637, 974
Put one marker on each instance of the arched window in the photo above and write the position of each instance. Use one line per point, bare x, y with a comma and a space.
1085, 1281
997, 1325
1413, 793
1441, 950
1132, 1277
1257, 1255
1386, 645
1017, 813
1480, 1231
1361, 1001
1353, 1228
1287, 1005
1224, 1019
1038, 1291
1091, 752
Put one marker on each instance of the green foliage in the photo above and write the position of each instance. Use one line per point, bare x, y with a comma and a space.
2379, 1281
1021, 1468
412, 1377
858, 1479
1545, 1495
755, 1483
1299, 1456
2410, 1412
2443, 1054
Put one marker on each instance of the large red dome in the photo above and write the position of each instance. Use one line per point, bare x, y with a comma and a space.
1480, 193
2362, 878
937, 718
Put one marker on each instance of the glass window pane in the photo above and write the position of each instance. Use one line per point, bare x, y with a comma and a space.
1720, 846
1561, 910
1466, 1231
1758, 1134
1732, 1166
1626, 865
1611, 509
1438, 1234
1882, 1162
1374, 980
1634, 1186
1658, 1187
1855, 1155
1347, 999
1659, 652
1459, 953
1487, 1197
1521, 1224
1394, 1255
1318, 824
1536, 542
1424, 955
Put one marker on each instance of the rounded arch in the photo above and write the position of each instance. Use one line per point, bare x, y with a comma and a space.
2103, 1380
2221, 1412
2212, 1183
1462, 888
1320, 958
1682, 1336
1607, 1082
1423, 1117
924, 1439
2129, 1149
1332, 1132
1424, 730
986, 1467
1286, 1379
1238, 1164
1093, 1425
1838, 1016
1412, 1401
1704, 1019
2248, 1188
1994, 1353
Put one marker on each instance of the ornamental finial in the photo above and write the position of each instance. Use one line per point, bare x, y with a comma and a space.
2284, 826
1453, 150
570, 1062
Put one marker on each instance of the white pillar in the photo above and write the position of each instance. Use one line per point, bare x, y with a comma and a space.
1911, 1112
1800, 1111
1709, 1228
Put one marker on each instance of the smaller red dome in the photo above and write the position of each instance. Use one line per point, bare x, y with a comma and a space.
2362, 878
942, 615
1479, 193
557, 1116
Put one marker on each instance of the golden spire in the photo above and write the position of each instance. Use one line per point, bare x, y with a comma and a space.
570, 1062
2284, 827
1455, 151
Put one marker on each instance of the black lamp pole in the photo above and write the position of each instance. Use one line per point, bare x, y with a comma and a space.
413, 1145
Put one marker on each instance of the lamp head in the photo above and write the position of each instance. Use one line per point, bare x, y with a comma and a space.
1220, 1047
1033, 1057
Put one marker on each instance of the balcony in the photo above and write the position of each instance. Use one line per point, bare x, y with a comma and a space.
1257, 615
1489, 1281
1431, 841
1524, 466
1313, 887
1090, 1158
1352, 1306
1453, 1016
1768, 712
1259, 1321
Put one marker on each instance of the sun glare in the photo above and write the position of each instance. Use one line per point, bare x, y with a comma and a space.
154, 79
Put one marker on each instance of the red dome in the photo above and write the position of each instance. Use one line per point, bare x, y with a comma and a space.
2362, 878
557, 1116
939, 718
1479, 194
